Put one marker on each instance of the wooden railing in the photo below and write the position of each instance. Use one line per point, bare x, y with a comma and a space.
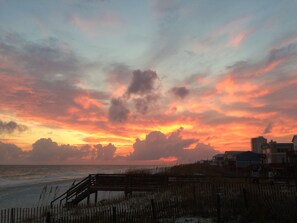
74, 191
143, 182
121, 182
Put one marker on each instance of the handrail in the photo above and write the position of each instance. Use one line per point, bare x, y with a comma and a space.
125, 182
79, 184
58, 198
73, 190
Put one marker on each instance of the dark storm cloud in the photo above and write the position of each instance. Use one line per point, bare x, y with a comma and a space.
10, 127
180, 92
143, 82
142, 91
46, 151
10, 153
117, 111
200, 152
143, 104
157, 145
105, 152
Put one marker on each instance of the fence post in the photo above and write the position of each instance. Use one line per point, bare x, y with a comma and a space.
88, 198
245, 198
12, 215
96, 197
89, 193
154, 210
194, 193
114, 214
48, 217
219, 207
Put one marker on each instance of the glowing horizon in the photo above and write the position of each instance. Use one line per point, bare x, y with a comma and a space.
140, 77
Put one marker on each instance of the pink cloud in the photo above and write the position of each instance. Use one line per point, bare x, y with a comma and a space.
238, 39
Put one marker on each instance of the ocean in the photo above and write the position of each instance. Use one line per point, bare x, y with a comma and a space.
38, 185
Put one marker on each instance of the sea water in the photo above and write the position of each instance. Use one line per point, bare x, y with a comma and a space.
38, 185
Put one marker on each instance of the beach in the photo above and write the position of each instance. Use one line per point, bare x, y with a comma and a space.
32, 186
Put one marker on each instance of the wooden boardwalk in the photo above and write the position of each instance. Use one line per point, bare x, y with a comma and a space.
121, 182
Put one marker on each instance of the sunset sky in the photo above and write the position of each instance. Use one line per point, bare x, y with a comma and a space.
144, 81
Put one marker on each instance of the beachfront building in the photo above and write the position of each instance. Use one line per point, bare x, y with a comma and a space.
258, 143
292, 156
230, 158
218, 159
247, 159
277, 152
294, 141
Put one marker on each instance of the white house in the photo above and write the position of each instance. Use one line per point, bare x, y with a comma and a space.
294, 141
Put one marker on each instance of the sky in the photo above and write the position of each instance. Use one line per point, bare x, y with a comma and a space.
154, 81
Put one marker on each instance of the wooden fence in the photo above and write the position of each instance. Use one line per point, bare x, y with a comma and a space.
221, 202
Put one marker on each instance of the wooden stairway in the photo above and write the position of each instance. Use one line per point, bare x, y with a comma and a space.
120, 182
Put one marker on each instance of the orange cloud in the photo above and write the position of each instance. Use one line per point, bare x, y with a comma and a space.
87, 102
